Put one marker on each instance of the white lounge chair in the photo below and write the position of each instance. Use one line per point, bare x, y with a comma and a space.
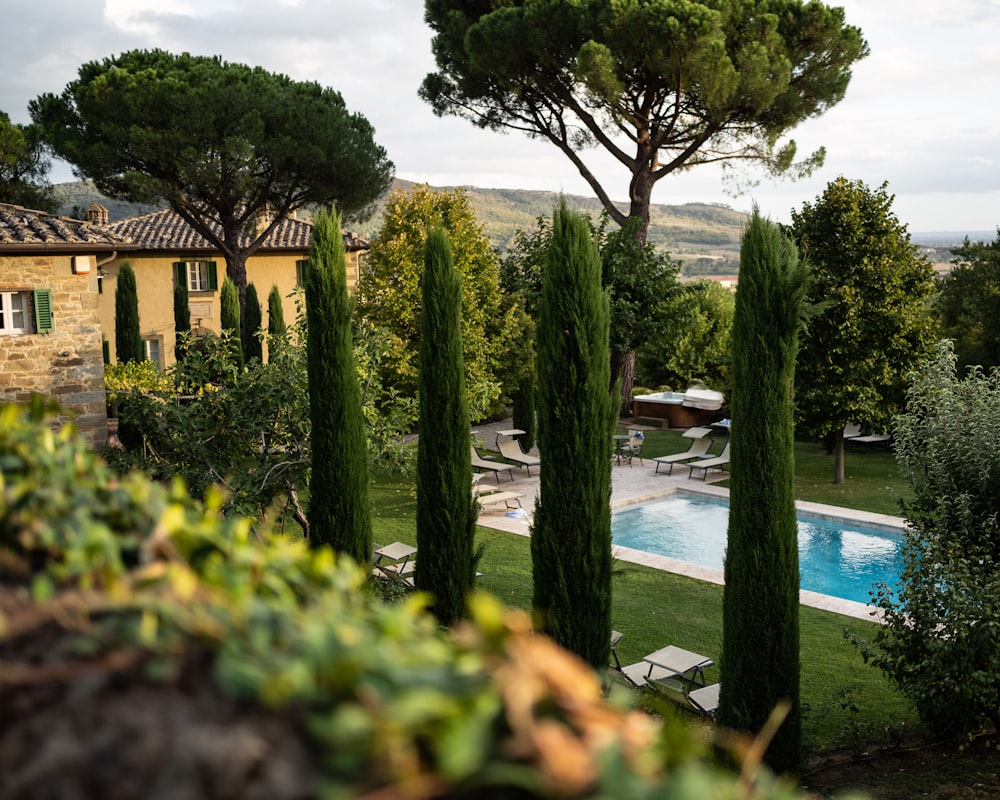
704, 701
710, 463
511, 450
497, 467
698, 448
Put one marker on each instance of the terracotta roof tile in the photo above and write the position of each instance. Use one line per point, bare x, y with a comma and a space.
26, 227
166, 230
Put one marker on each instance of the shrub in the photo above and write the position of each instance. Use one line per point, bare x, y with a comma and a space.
271, 671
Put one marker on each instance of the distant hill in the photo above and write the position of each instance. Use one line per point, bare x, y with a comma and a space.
705, 236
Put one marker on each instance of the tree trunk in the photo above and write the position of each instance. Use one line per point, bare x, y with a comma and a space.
623, 371
838, 455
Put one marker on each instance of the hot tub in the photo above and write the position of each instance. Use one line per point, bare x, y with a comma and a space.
677, 409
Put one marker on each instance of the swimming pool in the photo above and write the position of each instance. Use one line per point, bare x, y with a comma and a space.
837, 558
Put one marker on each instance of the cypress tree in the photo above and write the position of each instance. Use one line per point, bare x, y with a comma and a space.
229, 315
128, 334
253, 347
760, 648
571, 535
524, 410
339, 513
446, 511
275, 313
182, 317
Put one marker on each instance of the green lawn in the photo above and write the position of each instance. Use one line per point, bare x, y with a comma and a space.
654, 608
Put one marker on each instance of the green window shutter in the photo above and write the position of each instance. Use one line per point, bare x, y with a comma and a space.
181, 274
300, 272
43, 311
213, 279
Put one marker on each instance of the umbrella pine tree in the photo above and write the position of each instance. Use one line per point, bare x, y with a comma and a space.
760, 647
446, 512
571, 535
339, 512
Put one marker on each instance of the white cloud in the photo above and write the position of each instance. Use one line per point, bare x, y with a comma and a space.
920, 112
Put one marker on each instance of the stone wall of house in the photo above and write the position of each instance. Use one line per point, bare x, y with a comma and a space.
68, 363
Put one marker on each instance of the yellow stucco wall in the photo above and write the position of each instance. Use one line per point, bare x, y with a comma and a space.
154, 278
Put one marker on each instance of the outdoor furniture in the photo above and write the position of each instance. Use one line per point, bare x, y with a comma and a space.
511, 450
621, 447
711, 463
852, 433
704, 701
698, 448
497, 467
634, 447
485, 498
395, 561
678, 663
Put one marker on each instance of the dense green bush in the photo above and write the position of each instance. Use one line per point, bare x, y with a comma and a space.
139, 593
941, 640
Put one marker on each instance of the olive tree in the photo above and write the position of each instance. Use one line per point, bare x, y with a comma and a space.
941, 639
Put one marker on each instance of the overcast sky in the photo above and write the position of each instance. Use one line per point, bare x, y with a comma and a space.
922, 111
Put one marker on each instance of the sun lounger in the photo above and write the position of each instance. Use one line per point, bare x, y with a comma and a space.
710, 463
489, 498
704, 701
497, 467
698, 448
511, 450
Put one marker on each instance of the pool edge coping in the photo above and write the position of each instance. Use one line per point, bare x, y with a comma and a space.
822, 602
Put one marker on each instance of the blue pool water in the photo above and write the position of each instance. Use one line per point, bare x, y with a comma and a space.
836, 557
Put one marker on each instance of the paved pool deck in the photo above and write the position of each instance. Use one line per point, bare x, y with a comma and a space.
637, 483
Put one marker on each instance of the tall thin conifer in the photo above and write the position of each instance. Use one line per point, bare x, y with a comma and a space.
339, 512
128, 333
182, 318
760, 648
229, 315
571, 535
446, 512
253, 349
275, 313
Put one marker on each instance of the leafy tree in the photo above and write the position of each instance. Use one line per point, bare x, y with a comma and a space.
128, 333
571, 534
639, 281
182, 318
967, 302
941, 639
252, 345
871, 291
658, 85
760, 645
339, 512
389, 292
24, 166
251, 142
275, 314
229, 315
694, 341
446, 511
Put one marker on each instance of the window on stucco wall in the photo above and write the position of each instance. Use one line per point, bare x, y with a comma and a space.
199, 276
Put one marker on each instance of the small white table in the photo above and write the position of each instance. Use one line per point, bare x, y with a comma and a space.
394, 552
680, 663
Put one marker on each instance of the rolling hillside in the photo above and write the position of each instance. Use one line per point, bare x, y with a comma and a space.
706, 237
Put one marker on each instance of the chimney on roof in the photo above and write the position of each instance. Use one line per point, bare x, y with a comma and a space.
264, 218
97, 215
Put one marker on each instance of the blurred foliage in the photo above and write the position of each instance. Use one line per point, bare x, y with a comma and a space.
147, 583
